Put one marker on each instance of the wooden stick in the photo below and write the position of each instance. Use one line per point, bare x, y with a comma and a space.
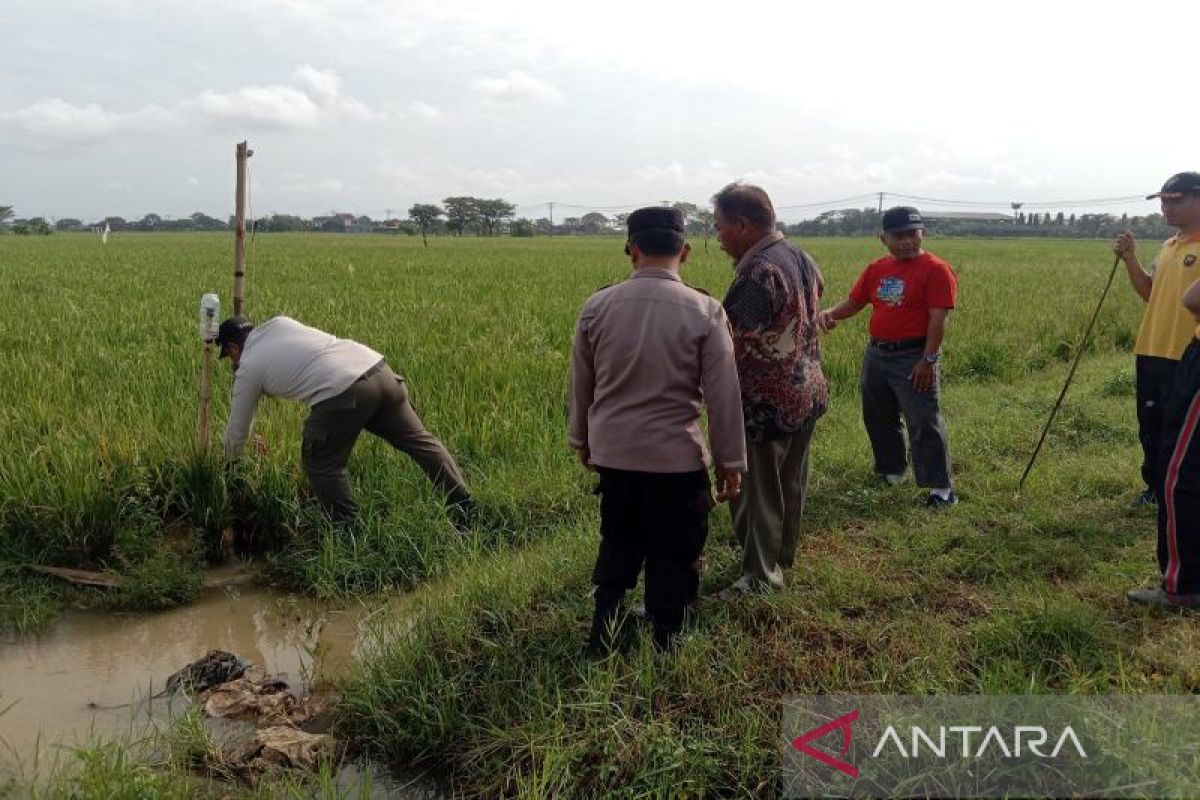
82, 577
1083, 343
205, 398
239, 231
108, 580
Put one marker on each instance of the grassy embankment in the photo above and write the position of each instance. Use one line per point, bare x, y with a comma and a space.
1006, 593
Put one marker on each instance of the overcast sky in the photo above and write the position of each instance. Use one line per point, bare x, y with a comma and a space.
125, 107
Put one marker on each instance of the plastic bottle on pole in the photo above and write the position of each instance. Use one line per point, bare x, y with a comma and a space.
210, 317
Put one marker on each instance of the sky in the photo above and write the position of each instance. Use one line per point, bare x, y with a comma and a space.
126, 107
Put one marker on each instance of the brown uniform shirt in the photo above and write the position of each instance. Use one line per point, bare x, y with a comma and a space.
648, 353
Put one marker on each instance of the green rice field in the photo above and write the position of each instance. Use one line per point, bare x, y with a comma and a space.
1007, 593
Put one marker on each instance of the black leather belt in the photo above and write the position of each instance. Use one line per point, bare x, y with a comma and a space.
897, 345
371, 371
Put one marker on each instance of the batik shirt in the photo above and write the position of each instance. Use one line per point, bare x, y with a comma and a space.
773, 304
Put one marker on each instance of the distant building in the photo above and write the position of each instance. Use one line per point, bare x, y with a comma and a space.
338, 223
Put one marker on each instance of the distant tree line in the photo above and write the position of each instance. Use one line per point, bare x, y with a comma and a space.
865, 222
151, 222
463, 215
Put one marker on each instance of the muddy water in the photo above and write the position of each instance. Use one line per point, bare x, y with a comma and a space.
52, 684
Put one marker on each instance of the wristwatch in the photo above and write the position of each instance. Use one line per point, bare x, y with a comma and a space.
932, 358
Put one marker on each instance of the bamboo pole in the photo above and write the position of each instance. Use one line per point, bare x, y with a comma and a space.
202, 424
242, 154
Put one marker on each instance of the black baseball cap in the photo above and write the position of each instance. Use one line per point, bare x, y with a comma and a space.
1178, 185
232, 331
902, 218
656, 218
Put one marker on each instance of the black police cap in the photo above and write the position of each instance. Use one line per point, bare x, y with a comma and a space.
656, 218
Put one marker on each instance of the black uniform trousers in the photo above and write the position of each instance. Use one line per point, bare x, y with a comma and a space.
1179, 492
659, 520
1154, 379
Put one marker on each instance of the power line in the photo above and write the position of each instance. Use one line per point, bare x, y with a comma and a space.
1093, 201
855, 198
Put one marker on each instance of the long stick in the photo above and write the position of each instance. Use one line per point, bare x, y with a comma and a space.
239, 231
205, 398
1070, 375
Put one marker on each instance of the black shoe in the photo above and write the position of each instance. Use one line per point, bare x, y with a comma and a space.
609, 623
666, 637
937, 502
1146, 498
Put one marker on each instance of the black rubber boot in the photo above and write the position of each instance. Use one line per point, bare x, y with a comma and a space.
605, 621
666, 637
463, 515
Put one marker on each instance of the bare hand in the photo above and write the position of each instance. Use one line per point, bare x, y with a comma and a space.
585, 458
826, 321
923, 376
1124, 245
729, 484
260, 445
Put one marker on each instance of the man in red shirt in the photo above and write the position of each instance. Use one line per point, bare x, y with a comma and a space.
911, 293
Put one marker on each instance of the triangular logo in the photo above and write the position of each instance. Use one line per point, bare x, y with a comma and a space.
843, 723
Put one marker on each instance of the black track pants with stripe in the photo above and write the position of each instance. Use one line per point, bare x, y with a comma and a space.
1179, 504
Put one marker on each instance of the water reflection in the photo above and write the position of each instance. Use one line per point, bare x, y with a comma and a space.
60, 685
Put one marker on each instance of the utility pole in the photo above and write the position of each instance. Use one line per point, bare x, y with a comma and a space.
881, 204
551, 204
242, 155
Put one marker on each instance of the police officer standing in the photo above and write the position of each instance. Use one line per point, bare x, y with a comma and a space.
648, 353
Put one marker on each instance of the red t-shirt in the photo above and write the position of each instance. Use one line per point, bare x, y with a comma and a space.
902, 292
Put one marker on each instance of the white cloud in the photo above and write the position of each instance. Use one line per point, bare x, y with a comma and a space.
424, 110
193, 181
944, 178
878, 172
819, 176
272, 106
393, 169
54, 121
668, 173
518, 87
319, 97
704, 179
322, 87
316, 97
499, 179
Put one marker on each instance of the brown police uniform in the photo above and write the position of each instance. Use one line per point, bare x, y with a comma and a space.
648, 354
